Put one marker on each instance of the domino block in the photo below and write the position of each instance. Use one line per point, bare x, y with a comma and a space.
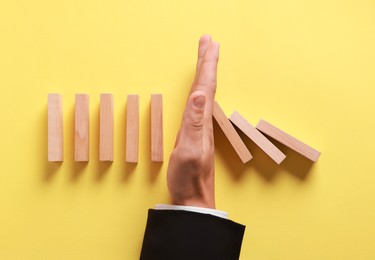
288, 140
231, 134
132, 128
269, 148
81, 128
55, 128
106, 127
156, 128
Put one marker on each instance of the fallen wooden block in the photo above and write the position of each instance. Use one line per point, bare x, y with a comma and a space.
106, 127
157, 128
269, 148
231, 134
132, 128
82, 128
288, 140
55, 128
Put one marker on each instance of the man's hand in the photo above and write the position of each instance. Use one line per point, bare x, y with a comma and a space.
191, 165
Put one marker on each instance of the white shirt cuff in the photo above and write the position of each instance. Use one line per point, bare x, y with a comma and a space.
215, 212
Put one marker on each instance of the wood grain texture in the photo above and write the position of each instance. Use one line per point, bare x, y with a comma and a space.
288, 140
157, 128
132, 128
106, 128
82, 128
55, 128
231, 134
258, 138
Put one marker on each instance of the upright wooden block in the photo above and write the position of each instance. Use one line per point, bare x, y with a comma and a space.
82, 128
270, 149
106, 128
55, 128
157, 128
231, 134
288, 140
132, 128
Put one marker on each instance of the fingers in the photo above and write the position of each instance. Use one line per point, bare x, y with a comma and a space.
204, 42
196, 128
191, 132
207, 78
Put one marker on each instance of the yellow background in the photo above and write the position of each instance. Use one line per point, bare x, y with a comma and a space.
305, 66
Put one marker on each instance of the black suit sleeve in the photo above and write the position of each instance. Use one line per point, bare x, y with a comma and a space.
178, 235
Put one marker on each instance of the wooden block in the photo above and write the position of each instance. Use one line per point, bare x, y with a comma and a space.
55, 128
106, 127
81, 128
269, 148
132, 128
157, 128
288, 140
231, 134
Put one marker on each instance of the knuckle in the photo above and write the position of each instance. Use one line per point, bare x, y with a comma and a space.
197, 124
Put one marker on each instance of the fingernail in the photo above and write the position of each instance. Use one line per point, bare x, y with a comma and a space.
199, 102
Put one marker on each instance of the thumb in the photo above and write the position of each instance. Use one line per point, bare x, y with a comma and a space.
191, 132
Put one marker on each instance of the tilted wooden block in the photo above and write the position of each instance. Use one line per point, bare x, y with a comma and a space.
132, 128
259, 139
288, 140
106, 127
157, 128
231, 134
82, 128
55, 128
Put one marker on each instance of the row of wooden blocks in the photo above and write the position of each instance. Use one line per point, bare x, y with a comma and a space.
106, 144
258, 135
106, 134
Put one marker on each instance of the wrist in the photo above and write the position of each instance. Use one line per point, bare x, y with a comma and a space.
195, 202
